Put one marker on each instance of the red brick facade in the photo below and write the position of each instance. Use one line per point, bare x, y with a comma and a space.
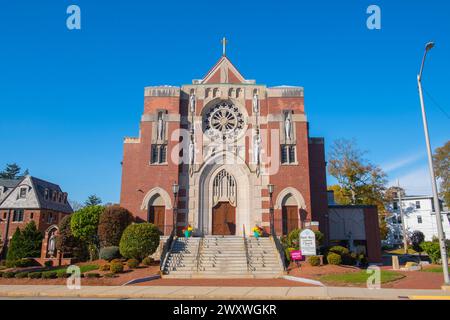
303, 179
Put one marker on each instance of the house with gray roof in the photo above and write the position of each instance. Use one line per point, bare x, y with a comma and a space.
31, 199
6, 186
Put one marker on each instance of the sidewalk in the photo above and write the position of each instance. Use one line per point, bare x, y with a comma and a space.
220, 293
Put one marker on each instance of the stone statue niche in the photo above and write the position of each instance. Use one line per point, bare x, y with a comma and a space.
160, 128
288, 125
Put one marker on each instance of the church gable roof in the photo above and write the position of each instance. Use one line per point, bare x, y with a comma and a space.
223, 72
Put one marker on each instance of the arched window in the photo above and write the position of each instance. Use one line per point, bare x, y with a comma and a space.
224, 188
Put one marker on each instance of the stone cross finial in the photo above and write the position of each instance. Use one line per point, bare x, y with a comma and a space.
224, 46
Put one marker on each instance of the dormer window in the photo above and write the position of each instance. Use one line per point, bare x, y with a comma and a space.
65, 197
46, 192
22, 193
59, 197
53, 195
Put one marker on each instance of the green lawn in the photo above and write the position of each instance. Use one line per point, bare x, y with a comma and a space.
83, 268
433, 269
360, 277
401, 251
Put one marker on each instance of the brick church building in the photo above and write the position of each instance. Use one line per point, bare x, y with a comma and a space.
234, 149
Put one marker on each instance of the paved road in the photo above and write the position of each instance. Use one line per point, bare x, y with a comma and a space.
223, 293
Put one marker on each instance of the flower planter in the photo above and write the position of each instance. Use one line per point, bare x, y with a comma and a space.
256, 234
187, 234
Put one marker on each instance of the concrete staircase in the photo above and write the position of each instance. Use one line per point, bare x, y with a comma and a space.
222, 257
264, 259
182, 259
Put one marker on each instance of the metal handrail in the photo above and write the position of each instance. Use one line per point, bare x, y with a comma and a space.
166, 251
280, 250
200, 246
246, 249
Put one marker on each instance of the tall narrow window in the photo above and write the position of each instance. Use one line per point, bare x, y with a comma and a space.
158, 154
419, 219
288, 154
154, 156
395, 205
291, 154
417, 204
284, 154
162, 154
18, 215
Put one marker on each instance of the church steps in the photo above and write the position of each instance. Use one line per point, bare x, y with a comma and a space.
222, 257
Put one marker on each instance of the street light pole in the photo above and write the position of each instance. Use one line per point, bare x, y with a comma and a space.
175, 189
270, 187
441, 235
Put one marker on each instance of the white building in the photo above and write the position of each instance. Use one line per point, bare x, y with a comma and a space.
419, 215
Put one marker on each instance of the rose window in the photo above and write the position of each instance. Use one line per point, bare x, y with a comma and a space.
224, 120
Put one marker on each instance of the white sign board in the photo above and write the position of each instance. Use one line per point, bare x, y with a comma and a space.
308, 243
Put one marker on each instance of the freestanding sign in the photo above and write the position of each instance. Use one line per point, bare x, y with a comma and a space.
296, 255
308, 242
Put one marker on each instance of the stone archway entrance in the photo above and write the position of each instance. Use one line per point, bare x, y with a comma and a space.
224, 219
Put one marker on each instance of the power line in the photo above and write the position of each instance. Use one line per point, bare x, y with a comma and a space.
437, 104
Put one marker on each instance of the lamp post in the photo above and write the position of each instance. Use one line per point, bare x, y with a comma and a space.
441, 236
175, 189
272, 229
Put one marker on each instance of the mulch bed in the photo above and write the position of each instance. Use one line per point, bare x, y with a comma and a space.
122, 278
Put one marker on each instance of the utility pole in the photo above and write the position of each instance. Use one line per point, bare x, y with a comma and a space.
402, 216
440, 230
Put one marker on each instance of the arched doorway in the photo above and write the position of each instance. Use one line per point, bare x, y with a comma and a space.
224, 204
156, 212
289, 214
224, 219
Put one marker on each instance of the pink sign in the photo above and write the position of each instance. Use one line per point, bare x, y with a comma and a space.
296, 255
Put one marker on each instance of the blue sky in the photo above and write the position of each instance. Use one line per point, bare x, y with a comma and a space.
67, 98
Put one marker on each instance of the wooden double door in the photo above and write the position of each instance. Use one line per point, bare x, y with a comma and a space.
224, 219
289, 218
156, 216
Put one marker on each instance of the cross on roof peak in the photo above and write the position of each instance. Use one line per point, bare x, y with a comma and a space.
224, 46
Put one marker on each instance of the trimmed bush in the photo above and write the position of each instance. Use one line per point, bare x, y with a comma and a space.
148, 261
416, 238
347, 258
432, 249
61, 274
314, 261
334, 258
109, 253
1, 274
293, 238
84, 224
25, 262
105, 267
35, 275
92, 275
48, 263
113, 221
21, 275
116, 267
68, 244
139, 241
8, 275
287, 253
49, 275
340, 250
133, 263
110, 275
